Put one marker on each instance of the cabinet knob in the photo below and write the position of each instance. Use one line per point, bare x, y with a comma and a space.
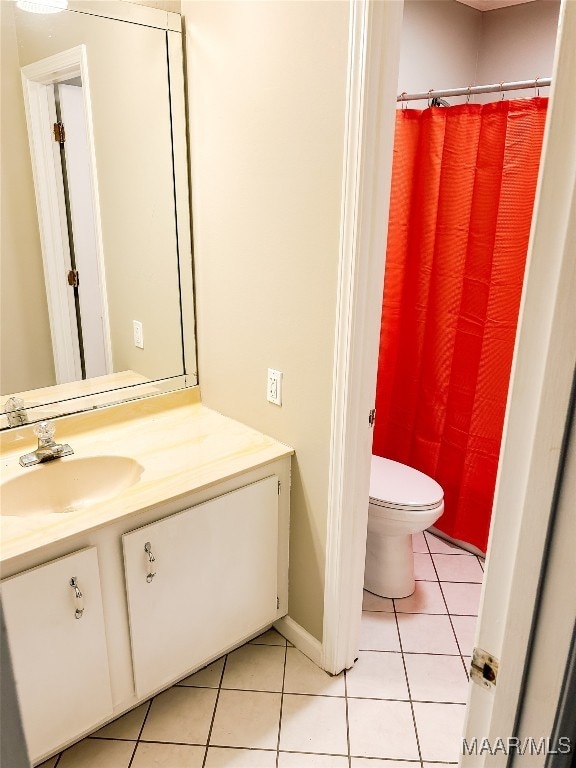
78, 598
150, 562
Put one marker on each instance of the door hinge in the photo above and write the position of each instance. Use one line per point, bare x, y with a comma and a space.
279, 487
59, 133
73, 278
372, 417
484, 668
277, 603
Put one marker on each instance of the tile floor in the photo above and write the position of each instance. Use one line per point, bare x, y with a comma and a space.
266, 705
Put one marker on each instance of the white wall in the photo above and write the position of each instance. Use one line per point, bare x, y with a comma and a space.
439, 47
518, 43
267, 93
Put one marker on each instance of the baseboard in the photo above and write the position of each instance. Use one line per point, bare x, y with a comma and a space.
462, 544
300, 638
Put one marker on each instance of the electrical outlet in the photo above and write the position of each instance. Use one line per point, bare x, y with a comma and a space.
274, 388
138, 334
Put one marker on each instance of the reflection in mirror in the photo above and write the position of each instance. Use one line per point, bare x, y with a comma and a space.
95, 250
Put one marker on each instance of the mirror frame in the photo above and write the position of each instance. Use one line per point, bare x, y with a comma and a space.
89, 396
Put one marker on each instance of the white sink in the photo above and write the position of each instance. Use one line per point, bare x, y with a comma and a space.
67, 485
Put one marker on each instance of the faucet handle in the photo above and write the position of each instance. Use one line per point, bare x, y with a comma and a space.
44, 430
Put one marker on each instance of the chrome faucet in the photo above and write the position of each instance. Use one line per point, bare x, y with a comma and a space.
15, 412
47, 449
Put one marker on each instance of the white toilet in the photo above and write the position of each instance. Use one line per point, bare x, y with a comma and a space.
403, 501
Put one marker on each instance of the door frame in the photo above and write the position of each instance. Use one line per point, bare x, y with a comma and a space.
37, 81
542, 371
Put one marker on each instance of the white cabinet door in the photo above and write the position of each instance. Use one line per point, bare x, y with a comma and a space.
60, 661
215, 581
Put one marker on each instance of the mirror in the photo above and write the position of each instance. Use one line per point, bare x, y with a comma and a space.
95, 256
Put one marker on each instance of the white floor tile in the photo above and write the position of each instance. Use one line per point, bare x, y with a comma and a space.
465, 628
440, 546
427, 598
458, 568
126, 727
303, 676
218, 757
424, 568
301, 760
440, 728
209, 677
377, 675
419, 543
168, 756
94, 753
181, 715
378, 632
422, 633
382, 729
436, 678
271, 637
255, 668
313, 724
246, 719
373, 602
462, 599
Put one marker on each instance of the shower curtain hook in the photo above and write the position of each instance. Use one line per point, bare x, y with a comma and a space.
403, 100
469, 94
502, 90
536, 86
429, 96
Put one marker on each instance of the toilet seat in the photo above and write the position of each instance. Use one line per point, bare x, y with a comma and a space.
397, 486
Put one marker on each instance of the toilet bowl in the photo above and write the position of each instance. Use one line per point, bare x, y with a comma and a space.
403, 501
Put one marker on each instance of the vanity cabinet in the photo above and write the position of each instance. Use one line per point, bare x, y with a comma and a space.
58, 648
201, 580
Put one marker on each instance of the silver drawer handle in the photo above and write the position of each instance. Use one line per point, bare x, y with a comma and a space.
150, 563
78, 598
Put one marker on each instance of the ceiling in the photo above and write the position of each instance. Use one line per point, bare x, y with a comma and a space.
490, 5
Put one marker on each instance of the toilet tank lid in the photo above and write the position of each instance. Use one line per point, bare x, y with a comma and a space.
402, 486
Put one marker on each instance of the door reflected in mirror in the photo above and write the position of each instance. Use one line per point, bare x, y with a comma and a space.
95, 252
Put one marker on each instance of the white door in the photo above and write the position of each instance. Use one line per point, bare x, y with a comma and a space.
80, 191
214, 582
59, 656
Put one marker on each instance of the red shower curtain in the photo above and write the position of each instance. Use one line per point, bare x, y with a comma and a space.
463, 185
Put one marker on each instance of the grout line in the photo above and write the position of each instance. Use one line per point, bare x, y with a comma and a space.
347, 718
281, 705
408, 685
141, 731
214, 712
450, 618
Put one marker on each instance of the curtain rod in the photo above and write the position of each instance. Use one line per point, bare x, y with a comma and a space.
539, 82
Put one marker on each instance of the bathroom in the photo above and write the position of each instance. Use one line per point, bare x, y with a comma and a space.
278, 174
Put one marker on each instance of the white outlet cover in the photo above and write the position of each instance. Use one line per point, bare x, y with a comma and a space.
138, 334
274, 388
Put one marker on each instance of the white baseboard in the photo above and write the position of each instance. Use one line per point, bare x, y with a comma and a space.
300, 638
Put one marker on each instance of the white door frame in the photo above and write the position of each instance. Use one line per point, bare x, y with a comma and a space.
540, 387
37, 81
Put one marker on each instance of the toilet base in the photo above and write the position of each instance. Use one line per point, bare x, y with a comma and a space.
389, 570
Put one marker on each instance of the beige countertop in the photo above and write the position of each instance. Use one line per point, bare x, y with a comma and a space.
181, 445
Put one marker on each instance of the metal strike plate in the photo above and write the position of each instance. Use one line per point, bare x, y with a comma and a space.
484, 668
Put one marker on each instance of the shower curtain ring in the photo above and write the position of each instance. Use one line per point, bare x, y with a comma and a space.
403, 100
502, 91
469, 94
537, 87
430, 96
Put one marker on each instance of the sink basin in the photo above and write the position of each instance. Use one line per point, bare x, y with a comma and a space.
67, 485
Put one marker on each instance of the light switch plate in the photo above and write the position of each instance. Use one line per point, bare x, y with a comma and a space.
274, 388
138, 334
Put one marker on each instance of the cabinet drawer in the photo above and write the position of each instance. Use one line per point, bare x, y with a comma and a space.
60, 661
215, 581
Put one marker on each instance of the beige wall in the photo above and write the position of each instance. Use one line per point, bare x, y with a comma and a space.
25, 344
267, 88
